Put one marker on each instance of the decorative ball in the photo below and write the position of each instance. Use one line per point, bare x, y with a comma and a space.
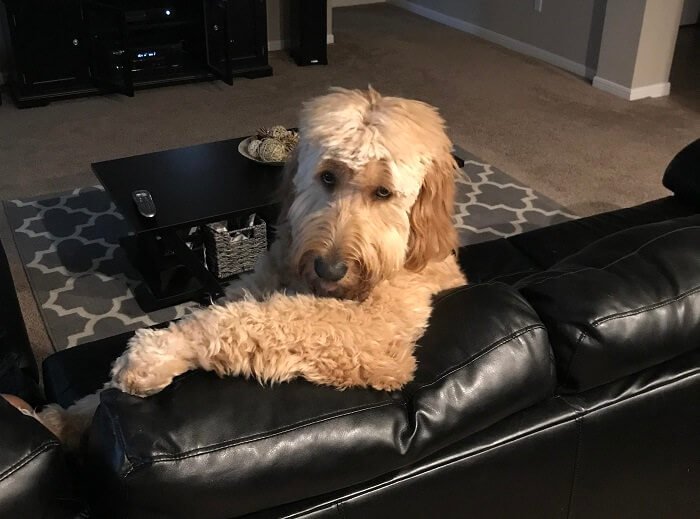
253, 147
272, 150
264, 133
278, 132
290, 140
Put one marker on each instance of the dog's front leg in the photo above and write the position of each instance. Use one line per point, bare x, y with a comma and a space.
154, 357
327, 341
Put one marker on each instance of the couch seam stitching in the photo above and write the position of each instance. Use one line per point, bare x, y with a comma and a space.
583, 335
458, 290
116, 427
28, 458
651, 389
619, 315
653, 306
234, 443
533, 270
223, 445
579, 439
628, 255
576, 416
485, 351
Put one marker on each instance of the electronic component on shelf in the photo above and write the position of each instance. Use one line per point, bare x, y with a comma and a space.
153, 15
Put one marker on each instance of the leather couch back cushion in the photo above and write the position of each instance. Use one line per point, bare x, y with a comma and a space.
240, 447
34, 480
622, 304
682, 175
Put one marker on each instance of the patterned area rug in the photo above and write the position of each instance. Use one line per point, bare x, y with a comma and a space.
83, 283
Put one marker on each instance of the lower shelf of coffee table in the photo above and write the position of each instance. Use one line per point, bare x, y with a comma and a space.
163, 285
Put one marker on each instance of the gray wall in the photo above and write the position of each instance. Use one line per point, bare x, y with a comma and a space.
623, 27
569, 28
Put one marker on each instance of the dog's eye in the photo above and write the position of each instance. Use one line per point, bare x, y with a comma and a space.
328, 178
382, 192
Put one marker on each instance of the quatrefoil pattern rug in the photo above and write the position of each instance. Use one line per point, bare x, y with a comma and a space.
83, 283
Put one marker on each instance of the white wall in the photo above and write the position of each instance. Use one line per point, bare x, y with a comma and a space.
639, 40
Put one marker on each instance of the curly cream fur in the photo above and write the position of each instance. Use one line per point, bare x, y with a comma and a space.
283, 321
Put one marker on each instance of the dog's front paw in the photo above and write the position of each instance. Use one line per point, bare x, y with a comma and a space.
388, 384
137, 378
147, 366
391, 375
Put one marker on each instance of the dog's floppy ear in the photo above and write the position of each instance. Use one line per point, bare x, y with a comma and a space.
433, 236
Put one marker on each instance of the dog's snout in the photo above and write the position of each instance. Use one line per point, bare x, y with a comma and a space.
330, 270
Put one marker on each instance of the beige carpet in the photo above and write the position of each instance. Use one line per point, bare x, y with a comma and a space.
551, 130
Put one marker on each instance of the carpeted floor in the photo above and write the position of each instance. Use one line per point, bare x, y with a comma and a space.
552, 131
582, 147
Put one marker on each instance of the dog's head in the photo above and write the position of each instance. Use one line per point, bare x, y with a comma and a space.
371, 191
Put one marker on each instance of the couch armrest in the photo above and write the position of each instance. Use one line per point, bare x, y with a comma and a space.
208, 447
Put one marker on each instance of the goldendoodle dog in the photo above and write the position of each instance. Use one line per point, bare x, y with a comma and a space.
365, 239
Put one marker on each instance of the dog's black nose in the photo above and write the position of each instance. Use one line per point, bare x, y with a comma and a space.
333, 271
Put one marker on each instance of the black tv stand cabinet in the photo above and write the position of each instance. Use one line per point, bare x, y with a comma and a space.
61, 49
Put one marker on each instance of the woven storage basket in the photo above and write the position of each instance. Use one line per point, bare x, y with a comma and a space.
226, 256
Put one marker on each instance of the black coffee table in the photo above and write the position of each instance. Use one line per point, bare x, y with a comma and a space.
190, 186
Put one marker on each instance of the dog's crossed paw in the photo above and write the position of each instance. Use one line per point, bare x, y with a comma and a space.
145, 369
136, 378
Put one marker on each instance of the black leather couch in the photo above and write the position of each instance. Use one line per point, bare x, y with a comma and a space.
564, 381
35, 480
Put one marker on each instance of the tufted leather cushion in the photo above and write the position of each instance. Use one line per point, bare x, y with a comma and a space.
495, 260
34, 480
240, 447
624, 303
549, 245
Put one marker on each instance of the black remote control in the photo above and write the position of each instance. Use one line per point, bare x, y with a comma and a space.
144, 203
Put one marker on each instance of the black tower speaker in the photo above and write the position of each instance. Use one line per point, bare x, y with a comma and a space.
308, 32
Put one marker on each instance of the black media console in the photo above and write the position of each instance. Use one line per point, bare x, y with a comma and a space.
71, 48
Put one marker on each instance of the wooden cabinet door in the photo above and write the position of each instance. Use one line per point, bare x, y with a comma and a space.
249, 21
218, 37
110, 56
48, 43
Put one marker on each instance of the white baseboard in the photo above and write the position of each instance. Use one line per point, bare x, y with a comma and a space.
494, 37
632, 94
273, 45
